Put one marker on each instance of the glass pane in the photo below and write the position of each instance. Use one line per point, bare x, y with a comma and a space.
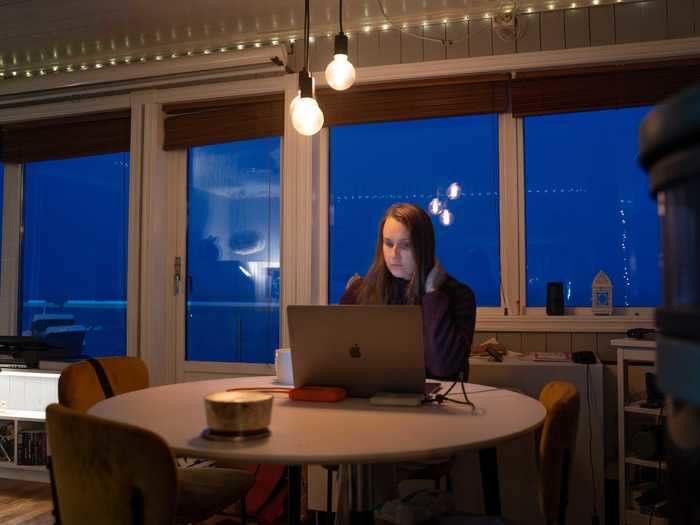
376, 165
588, 208
233, 258
2, 203
74, 253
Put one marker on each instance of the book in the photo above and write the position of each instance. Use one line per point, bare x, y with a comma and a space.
554, 357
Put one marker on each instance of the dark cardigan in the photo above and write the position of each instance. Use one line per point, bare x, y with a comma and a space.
449, 315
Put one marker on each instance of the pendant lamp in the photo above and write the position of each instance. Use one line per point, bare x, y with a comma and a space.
340, 73
307, 117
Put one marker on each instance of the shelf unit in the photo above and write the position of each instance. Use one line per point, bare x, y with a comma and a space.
642, 353
24, 395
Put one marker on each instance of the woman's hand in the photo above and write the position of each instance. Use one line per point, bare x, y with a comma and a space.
436, 278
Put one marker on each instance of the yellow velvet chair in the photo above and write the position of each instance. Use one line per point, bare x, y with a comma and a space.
79, 387
111, 473
107, 472
202, 491
556, 448
555, 451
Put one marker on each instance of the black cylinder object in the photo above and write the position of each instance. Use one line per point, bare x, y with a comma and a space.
555, 298
669, 149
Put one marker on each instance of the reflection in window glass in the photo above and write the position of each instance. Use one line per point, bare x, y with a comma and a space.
233, 268
74, 253
376, 165
588, 208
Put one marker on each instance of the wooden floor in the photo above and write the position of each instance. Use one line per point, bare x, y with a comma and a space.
29, 503
25, 502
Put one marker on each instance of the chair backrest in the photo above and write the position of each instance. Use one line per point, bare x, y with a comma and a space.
109, 473
79, 387
556, 447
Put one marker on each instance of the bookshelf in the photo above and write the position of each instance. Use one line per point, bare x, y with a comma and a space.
636, 474
24, 395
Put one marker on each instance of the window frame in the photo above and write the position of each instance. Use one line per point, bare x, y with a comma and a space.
513, 313
13, 202
172, 165
153, 191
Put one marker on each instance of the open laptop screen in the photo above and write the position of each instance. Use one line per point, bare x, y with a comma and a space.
364, 349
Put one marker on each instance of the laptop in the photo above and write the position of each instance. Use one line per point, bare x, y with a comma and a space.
363, 349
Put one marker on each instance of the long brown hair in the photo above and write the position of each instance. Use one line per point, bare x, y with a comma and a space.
379, 286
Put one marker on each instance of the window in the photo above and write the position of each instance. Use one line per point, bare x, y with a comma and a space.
74, 253
233, 281
373, 166
2, 201
588, 208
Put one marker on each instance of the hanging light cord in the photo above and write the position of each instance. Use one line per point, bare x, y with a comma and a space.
443, 41
307, 29
340, 15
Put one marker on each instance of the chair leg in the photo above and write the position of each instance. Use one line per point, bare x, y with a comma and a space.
488, 462
244, 512
294, 494
564, 491
54, 496
136, 506
448, 481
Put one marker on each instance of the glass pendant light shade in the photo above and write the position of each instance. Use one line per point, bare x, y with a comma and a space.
454, 191
307, 117
340, 73
446, 217
293, 103
435, 206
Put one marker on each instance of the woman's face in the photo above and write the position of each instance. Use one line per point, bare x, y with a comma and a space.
398, 253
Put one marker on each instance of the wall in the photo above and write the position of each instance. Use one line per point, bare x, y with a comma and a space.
545, 31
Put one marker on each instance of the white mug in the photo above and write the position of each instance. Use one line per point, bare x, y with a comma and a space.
283, 366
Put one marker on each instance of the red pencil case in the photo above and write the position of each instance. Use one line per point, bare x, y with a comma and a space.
324, 394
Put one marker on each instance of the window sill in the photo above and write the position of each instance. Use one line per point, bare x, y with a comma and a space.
228, 369
579, 323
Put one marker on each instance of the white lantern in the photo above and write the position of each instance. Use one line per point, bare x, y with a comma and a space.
602, 294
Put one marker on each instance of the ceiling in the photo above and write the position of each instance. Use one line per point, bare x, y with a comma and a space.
48, 33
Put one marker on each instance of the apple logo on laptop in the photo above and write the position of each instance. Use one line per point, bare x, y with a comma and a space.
355, 351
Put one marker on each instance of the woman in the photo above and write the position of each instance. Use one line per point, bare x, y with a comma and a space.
405, 271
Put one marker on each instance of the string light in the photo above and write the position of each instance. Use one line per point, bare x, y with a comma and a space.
275, 41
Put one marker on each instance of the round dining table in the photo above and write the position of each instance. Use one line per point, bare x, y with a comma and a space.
349, 432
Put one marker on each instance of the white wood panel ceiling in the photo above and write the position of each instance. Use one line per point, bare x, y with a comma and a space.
48, 33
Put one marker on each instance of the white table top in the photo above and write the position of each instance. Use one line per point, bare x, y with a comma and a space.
352, 431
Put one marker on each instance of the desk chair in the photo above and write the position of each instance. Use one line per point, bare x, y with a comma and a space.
111, 473
555, 450
206, 491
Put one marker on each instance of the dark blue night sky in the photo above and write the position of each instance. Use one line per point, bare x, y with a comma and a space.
588, 208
